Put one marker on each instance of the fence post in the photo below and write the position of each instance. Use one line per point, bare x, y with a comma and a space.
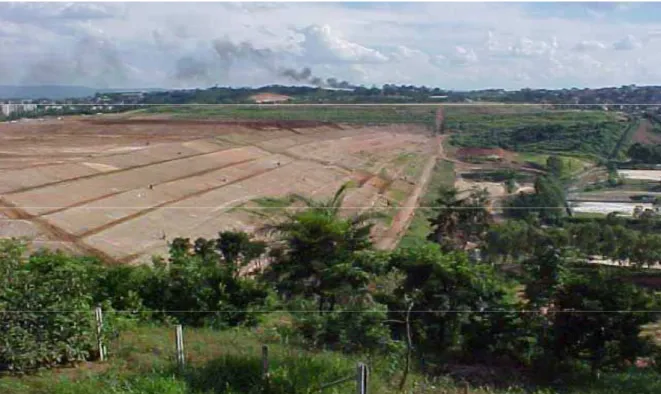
179, 341
265, 362
98, 315
361, 378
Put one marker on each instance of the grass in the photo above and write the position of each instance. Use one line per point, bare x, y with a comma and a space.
419, 228
335, 114
536, 158
217, 362
397, 195
572, 164
229, 362
589, 215
625, 140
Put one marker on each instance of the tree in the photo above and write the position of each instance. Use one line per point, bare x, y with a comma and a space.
457, 221
555, 165
551, 198
318, 250
626, 242
544, 271
508, 240
587, 237
450, 290
199, 287
607, 331
238, 249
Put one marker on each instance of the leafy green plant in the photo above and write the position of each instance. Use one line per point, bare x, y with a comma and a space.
46, 305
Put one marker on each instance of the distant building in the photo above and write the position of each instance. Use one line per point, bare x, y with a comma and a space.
10, 108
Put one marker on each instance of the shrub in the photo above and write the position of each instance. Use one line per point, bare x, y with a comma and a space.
357, 326
452, 290
199, 287
47, 316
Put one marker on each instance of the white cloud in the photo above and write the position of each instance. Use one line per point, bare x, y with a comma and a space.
589, 45
451, 45
627, 43
458, 56
526, 47
321, 44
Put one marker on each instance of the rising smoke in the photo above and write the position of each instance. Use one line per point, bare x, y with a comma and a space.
305, 75
92, 61
97, 62
190, 69
229, 53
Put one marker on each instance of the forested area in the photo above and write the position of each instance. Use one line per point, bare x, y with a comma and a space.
645, 153
597, 139
342, 295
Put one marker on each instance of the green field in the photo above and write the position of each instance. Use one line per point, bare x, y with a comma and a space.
424, 114
335, 114
595, 133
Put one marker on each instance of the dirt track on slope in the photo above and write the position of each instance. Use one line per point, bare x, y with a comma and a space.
404, 216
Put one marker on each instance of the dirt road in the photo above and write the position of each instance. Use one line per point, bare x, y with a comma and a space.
404, 216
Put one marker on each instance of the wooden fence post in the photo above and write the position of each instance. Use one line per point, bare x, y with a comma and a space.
98, 315
265, 362
361, 378
179, 342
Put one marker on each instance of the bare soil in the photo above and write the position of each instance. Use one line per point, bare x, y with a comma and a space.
645, 133
121, 188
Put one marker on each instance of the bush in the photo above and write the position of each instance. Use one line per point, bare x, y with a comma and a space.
357, 326
197, 287
47, 307
450, 289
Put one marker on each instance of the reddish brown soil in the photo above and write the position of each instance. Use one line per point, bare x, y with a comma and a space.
645, 135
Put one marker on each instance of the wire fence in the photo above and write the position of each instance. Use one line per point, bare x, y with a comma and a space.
359, 378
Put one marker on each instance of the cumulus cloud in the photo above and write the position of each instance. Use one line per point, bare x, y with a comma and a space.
527, 47
588, 45
200, 44
627, 43
458, 56
322, 44
31, 13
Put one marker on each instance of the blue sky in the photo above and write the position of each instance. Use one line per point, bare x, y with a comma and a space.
449, 45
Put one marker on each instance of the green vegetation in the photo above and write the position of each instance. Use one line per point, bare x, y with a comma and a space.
588, 132
442, 176
625, 140
218, 361
350, 114
498, 175
648, 154
547, 204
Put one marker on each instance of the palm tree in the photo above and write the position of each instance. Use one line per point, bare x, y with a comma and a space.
316, 255
459, 220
